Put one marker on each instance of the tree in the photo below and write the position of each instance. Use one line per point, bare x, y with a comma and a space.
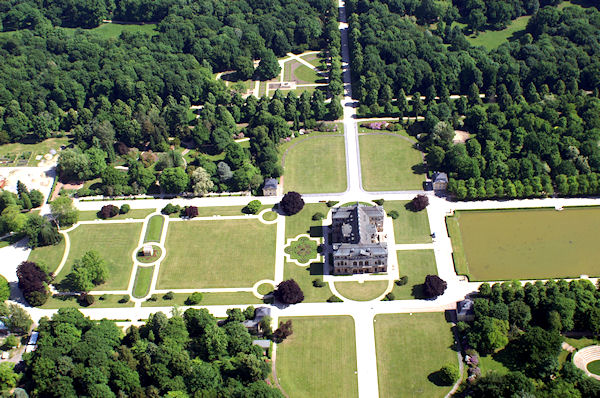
268, 67
224, 171
20, 322
4, 289
64, 212
190, 211
291, 203
288, 292
36, 197
419, 202
283, 331
8, 377
194, 299
334, 109
174, 180
449, 374
108, 211
41, 232
201, 182
88, 271
434, 286
33, 282
253, 207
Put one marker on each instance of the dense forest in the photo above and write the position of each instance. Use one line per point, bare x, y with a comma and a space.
520, 327
186, 355
535, 132
123, 100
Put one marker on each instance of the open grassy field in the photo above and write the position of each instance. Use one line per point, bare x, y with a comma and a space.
113, 30
49, 255
314, 362
489, 364
389, 163
114, 242
316, 164
142, 281
458, 250
91, 215
220, 253
302, 222
154, 229
410, 226
305, 276
494, 38
416, 264
207, 299
361, 291
305, 74
110, 301
530, 244
407, 357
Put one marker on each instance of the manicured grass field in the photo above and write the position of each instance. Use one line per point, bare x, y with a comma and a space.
142, 281
416, 264
114, 242
207, 299
111, 301
49, 255
594, 367
305, 276
306, 75
410, 348
389, 163
494, 38
530, 244
91, 215
361, 291
458, 250
489, 364
265, 288
302, 222
223, 253
319, 359
316, 164
154, 229
269, 216
410, 226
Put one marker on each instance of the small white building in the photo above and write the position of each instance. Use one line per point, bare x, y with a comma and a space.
148, 250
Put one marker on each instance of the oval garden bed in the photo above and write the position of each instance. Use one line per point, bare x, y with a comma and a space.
148, 258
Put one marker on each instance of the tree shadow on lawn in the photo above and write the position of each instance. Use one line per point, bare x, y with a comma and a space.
316, 231
418, 292
419, 168
508, 356
315, 269
437, 379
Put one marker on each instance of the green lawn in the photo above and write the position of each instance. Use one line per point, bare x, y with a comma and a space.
91, 215
316, 164
361, 291
113, 30
305, 276
410, 226
49, 255
302, 222
154, 229
114, 242
207, 299
306, 75
594, 367
530, 244
142, 281
220, 253
410, 348
494, 38
580, 342
489, 364
111, 301
416, 264
390, 163
458, 250
319, 359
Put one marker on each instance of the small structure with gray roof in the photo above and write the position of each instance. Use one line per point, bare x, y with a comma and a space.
439, 181
253, 325
357, 240
270, 187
